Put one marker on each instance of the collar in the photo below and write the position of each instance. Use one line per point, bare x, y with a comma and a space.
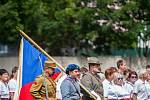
71, 78
120, 71
143, 82
129, 83
107, 81
93, 73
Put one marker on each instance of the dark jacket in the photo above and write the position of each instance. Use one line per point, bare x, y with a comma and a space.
93, 83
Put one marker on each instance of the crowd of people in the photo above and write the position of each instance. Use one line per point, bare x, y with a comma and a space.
83, 83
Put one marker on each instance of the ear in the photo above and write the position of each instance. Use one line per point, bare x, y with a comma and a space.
70, 72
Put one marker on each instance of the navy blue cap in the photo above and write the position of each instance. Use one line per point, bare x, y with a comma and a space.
72, 67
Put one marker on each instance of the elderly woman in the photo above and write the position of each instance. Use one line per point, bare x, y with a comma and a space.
117, 91
129, 84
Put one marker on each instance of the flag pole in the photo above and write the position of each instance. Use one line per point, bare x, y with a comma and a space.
16, 95
40, 49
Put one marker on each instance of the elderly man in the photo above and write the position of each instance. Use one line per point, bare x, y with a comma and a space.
92, 81
44, 88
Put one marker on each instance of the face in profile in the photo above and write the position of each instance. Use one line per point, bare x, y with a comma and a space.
145, 76
75, 73
112, 76
123, 66
96, 68
15, 74
148, 76
49, 70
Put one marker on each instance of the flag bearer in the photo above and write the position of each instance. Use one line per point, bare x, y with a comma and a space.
44, 88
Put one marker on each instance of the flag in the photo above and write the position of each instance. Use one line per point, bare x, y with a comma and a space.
31, 65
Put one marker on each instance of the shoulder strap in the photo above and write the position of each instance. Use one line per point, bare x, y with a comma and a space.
46, 89
74, 86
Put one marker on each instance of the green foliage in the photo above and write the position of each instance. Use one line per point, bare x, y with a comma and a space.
57, 24
8, 19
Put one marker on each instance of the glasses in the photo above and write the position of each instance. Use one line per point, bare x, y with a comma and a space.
133, 77
120, 78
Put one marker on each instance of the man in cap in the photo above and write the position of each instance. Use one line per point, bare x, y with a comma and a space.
92, 81
70, 89
44, 88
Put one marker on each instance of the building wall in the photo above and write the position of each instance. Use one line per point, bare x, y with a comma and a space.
8, 62
107, 61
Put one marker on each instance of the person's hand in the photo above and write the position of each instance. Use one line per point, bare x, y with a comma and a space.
96, 95
98, 98
100, 91
80, 98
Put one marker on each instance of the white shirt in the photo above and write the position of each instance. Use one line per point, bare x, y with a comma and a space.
4, 90
106, 85
12, 85
118, 92
129, 87
147, 85
58, 91
140, 90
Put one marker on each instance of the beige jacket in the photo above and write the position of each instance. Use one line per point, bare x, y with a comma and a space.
38, 90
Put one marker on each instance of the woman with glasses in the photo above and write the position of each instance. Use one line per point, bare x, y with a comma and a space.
117, 91
129, 83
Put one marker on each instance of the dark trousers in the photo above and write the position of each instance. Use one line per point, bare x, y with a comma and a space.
86, 97
4, 99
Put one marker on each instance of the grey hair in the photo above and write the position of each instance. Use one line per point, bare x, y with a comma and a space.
141, 72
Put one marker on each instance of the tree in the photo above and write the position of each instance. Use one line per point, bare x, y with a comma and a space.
89, 25
9, 18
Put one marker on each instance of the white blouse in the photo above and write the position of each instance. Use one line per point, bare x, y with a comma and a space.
4, 90
117, 92
12, 85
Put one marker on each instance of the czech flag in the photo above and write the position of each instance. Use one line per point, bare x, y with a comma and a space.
31, 63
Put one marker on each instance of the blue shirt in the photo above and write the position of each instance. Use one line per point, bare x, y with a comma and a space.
70, 89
